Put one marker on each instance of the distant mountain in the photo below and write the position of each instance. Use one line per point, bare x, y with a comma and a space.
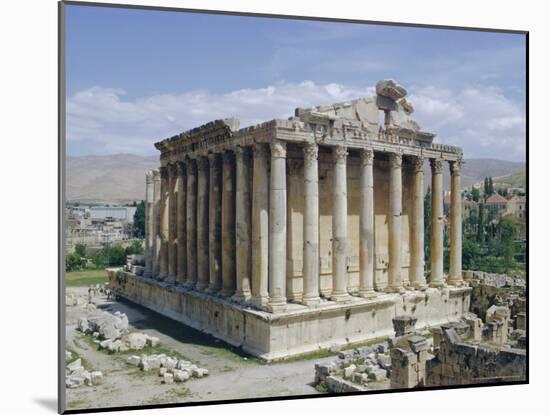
120, 178
115, 178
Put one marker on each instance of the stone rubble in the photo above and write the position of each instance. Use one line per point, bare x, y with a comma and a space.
76, 375
358, 369
170, 369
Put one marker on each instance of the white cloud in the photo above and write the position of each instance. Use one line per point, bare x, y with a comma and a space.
482, 121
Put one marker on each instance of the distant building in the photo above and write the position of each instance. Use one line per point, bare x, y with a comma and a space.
496, 205
516, 206
113, 213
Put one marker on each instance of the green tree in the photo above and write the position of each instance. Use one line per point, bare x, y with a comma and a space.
507, 231
480, 223
117, 255
139, 221
470, 252
475, 194
491, 188
427, 224
73, 262
80, 249
135, 248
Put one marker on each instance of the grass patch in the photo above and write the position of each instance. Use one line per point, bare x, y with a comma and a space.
86, 277
321, 387
79, 403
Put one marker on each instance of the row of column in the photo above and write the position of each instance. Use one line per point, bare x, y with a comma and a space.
230, 230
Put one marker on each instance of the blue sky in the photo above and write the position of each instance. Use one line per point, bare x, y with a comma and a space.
135, 76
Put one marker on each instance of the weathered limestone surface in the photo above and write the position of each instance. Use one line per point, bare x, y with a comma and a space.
293, 218
299, 329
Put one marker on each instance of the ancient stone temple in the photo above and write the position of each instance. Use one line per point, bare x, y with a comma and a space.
294, 235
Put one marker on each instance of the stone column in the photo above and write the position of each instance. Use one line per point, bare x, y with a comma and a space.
181, 222
311, 226
202, 224
340, 227
277, 227
148, 224
260, 226
156, 223
172, 225
455, 268
416, 226
366, 226
228, 225
164, 186
242, 225
191, 224
436, 241
214, 226
395, 283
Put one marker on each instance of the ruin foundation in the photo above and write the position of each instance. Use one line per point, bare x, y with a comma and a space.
297, 330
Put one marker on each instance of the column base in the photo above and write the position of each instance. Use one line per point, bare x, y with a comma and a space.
436, 284
455, 282
242, 297
397, 290
422, 286
259, 302
277, 305
190, 284
201, 286
341, 297
226, 292
170, 279
370, 293
312, 301
161, 276
212, 290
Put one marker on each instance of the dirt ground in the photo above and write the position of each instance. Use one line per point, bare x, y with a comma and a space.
233, 375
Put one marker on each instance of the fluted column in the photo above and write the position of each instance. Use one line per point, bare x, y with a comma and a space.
311, 226
277, 227
228, 225
455, 268
156, 223
416, 227
395, 283
202, 223
191, 224
164, 186
340, 227
148, 224
181, 222
366, 226
436, 242
214, 225
172, 225
242, 225
260, 226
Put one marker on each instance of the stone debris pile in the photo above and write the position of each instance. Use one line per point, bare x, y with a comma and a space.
170, 369
135, 264
76, 375
104, 325
355, 370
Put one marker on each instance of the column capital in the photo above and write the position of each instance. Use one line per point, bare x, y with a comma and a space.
436, 165
163, 172
418, 164
278, 149
181, 167
455, 166
156, 175
149, 177
396, 160
340, 154
367, 157
202, 164
172, 169
259, 149
311, 151
228, 156
241, 152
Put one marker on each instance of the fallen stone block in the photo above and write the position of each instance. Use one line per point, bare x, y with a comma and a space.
199, 372
133, 360
181, 375
168, 378
97, 378
74, 365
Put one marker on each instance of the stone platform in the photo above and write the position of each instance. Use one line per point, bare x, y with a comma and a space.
298, 329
